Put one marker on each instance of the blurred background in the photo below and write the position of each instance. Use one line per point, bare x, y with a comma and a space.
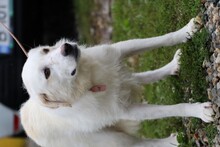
34, 22
38, 22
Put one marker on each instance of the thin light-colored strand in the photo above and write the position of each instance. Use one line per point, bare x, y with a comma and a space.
13, 36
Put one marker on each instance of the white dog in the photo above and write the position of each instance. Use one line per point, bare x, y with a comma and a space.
84, 97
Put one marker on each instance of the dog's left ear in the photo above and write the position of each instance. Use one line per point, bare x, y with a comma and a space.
52, 104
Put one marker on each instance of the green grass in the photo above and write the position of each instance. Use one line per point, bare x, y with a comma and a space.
83, 9
148, 18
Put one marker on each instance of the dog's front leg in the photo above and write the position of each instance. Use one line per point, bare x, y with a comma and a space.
135, 46
140, 112
171, 68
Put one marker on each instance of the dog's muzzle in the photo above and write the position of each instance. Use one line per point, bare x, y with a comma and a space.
70, 50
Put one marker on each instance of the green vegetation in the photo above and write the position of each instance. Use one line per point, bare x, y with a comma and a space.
83, 9
148, 18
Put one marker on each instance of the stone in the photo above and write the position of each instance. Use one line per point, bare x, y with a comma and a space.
214, 92
218, 85
209, 93
217, 50
215, 107
217, 59
218, 4
206, 64
212, 58
215, 80
209, 71
218, 91
208, 79
218, 75
216, 100
218, 68
215, 74
217, 116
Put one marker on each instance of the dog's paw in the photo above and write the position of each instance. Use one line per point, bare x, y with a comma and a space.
205, 111
171, 141
175, 63
194, 25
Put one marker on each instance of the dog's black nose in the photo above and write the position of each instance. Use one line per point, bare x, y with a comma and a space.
69, 49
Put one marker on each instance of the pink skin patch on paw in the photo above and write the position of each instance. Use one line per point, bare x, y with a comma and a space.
98, 88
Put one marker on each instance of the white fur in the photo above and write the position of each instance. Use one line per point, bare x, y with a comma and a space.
79, 117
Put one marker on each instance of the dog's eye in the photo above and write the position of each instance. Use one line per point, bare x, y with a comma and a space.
73, 72
46, 50
47, 72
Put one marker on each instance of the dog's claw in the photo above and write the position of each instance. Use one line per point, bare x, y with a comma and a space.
194, 25
206, 112
176, 63
172, 140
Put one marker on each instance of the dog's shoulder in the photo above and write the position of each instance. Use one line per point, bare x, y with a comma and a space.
102, 52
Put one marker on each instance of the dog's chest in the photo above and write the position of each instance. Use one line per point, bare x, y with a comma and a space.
103, 66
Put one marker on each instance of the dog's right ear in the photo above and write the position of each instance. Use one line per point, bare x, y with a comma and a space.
52, 104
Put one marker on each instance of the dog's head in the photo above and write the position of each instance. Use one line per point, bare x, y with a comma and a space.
50, 72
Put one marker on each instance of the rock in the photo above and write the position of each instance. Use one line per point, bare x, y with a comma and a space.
206, 64
216, 100
217, 116
213, 36
217, 60
215, 107
198, 21
215, 74
209, 94
212, 58
218, 75
217, 50
218, 85
214, 92
218, 4
218, 68
203, 1
216, 141
215, 80
215, 66
209, 71
218, 91
208, 79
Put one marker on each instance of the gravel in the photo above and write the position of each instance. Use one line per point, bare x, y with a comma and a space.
212, 24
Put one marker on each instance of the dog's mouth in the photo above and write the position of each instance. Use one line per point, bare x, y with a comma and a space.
53, 104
